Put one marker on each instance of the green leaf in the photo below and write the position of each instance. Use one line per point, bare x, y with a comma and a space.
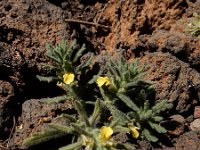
114, 123
146, 105
95, 77
63, 46
147, 114
120, 71
48, 47
194, 25
161, 106
96, 113
61, 128
58, 53
130, 84
149, 136
74, 146
157, 127
80, 129
122, 68
118, 115
50, 67
120, 128
157, 118
82, 113
85, 63
56, 99
125, 146
113, 69
54, 57
72, 118
70, 50
42, 137
79, 53
128, 101
48, 79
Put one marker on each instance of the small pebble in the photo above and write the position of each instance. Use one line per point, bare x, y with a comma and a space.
197, 112
195, 125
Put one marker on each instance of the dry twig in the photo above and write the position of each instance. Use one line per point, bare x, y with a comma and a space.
7, 141
87, 23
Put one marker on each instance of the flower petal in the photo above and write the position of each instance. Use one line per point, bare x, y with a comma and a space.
107, 81
105, 133
103, 81
134, 132
68, 78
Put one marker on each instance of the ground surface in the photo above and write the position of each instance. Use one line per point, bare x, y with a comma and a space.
148, 31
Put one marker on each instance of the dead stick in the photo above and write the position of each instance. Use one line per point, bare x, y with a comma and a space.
11, 133
3, 147
87, 23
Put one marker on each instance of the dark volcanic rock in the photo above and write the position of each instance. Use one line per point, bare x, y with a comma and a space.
173, 79
186, 48
6, 96
35, 114
189, 140
147, 30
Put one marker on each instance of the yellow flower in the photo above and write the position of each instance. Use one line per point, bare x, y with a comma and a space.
68, 78
105, 134
103, 81
134, 131
87, 141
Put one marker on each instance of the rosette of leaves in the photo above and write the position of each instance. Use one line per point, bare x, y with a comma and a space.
147, 118
125, 82
127, 77
66, 60
127, 87
194, 26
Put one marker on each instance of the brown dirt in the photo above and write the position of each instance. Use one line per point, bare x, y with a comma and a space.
144, 30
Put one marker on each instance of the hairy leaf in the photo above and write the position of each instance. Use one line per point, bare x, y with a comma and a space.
43, 137
128, 101
74, 146
56, 99
146, 133
48, 79
157, 127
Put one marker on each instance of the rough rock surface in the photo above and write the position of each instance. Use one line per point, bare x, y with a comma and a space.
174, 80
151, 32
197, 112
6, 97
195, 125
189, 140
35, 114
